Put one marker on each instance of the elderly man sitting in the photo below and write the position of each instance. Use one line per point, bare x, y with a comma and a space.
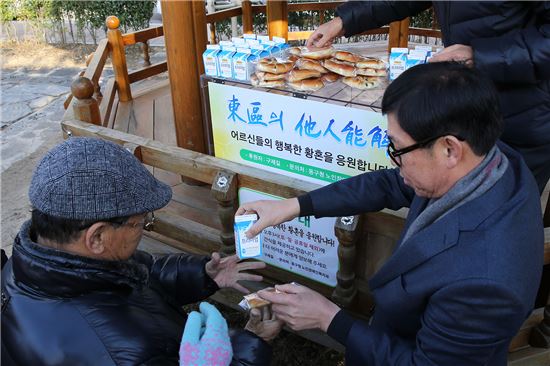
465, 272
76, 291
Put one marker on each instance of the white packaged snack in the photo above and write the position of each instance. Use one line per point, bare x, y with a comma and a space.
247, 248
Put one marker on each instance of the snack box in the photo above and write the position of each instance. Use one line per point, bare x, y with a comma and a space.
242, 68
225, 61
247, 248
253, 300
398, 61
210, 60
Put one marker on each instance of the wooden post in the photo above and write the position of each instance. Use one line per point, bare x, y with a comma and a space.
346, 230
393, 35
185, 38
224, 190
404, 32
248, 23
146, 58
85, 108
277, 18
118, 57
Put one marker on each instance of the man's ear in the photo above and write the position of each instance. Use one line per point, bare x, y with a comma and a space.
453, 150
95, 238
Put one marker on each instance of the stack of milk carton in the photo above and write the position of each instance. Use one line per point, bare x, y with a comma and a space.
402, 59
232, 59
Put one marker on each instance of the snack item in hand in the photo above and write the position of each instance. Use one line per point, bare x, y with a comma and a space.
307, 84
340, 67
362, 82
307, 64
297, 74
318, 53
330, 77
371, 72
371, 63
347, 56
254, 300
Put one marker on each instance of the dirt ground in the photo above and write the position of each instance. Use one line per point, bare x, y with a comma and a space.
289, 349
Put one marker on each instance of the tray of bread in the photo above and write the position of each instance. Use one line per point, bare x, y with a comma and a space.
309, 70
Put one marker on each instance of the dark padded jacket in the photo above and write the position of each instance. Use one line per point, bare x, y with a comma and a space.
511, 44
62, 309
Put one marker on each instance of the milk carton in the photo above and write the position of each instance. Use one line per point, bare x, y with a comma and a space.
241, 65
210, 60
247, 248
248, 36
238, 41
415, 57
262, 38
225, 61
270, 46
280, 42
258, 51
423, 47
398, 61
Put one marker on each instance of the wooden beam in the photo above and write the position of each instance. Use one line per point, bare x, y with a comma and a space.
195, 165
277, 19
393, 40
223, 14
106, 106
95, 68
146, 72
184, 40
142, 35
404, 32
314, 6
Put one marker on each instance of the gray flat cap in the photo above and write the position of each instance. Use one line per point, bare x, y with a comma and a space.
92, 179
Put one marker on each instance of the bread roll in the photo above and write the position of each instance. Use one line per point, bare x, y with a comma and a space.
371, 63
255, 81
274, 67
330, 77
339, 67
297, 51
266, 76
371, 72
293, 58
362, 82
317, 53
297, 74
347, 56
307, 64
307, 84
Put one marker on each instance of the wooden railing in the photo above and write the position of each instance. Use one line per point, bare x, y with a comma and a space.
88, 87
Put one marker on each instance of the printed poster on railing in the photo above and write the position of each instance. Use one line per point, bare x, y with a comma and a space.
306, 246
309, 140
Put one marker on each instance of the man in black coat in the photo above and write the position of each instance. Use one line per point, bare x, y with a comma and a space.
77, 292
508, 41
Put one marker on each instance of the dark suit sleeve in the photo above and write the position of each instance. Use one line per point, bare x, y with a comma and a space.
522, 56
181, 276
359, 16
463, 325
367, 192
249, 349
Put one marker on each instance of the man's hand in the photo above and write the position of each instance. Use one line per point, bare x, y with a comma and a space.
226, 272
456, 52
300, 307
270, 213
325, 34
264, 324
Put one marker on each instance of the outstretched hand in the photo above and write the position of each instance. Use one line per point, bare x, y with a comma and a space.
325, 34
226, 272
270, 213
300, 307
456, 52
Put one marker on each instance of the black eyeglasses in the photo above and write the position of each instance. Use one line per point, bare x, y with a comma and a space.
395, 155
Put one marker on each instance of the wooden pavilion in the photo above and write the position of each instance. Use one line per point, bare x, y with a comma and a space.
163, 124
